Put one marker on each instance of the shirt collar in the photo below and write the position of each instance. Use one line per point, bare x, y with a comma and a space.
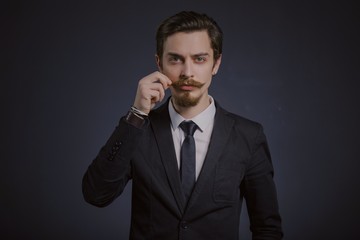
201, 120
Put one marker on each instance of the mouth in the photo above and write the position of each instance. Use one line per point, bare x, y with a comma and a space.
186, 87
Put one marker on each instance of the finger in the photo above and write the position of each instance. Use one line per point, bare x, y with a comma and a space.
152, 92
154, 96
163, 79
159, 87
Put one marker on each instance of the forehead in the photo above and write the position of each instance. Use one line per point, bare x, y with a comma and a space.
188, 43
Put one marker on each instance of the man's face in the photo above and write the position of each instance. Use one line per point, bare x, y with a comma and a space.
188, 61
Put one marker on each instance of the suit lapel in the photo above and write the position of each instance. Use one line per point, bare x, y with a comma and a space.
160, 122
221, 132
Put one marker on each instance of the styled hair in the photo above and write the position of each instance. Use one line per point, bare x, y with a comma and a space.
189, 21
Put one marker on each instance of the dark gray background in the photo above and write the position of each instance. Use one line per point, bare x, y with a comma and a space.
69, 71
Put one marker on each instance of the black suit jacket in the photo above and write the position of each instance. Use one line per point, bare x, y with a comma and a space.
237, 166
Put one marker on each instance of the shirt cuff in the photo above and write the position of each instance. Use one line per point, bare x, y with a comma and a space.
135, 119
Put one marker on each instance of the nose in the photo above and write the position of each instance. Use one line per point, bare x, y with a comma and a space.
187, 70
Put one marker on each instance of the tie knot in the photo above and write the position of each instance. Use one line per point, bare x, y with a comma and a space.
189, 127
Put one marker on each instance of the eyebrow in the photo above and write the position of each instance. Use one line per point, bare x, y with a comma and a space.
202, 54
171, 54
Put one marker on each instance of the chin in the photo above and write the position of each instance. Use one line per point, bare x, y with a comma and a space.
186, 100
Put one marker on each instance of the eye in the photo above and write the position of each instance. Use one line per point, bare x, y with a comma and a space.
174, 59
200, 59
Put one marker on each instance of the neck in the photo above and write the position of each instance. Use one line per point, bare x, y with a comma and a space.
190, 112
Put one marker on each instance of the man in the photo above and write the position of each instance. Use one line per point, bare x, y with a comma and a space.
186, 185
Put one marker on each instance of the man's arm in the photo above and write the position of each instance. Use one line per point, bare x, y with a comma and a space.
106, 177
260, 193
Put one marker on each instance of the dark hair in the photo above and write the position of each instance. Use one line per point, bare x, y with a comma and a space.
189, 21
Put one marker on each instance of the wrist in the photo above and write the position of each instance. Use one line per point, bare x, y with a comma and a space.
138, 111
136, 117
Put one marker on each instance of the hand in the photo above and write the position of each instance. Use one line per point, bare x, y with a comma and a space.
151, 90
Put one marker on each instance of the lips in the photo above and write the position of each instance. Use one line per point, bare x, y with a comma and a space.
187, 87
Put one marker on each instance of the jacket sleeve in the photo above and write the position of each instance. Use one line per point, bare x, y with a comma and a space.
260, 193
108, 174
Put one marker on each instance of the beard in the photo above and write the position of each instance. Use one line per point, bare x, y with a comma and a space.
184, 98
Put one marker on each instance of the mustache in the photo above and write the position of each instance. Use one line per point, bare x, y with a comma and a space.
186, 82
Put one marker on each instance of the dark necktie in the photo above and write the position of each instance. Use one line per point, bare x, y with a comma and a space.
187, 157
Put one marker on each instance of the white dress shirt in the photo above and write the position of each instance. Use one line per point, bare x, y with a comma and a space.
205, 123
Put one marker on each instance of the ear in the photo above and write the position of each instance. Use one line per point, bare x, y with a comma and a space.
216, 65
158, 62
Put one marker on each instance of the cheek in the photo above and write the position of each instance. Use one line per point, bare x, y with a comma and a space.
172, 77
206, 77
204, 71
171, 73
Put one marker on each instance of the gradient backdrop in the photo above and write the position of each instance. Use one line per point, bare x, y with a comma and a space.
69, 71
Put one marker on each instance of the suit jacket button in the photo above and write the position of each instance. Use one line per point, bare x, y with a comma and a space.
184, 225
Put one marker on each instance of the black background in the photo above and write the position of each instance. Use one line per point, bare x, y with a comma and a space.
69, 71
